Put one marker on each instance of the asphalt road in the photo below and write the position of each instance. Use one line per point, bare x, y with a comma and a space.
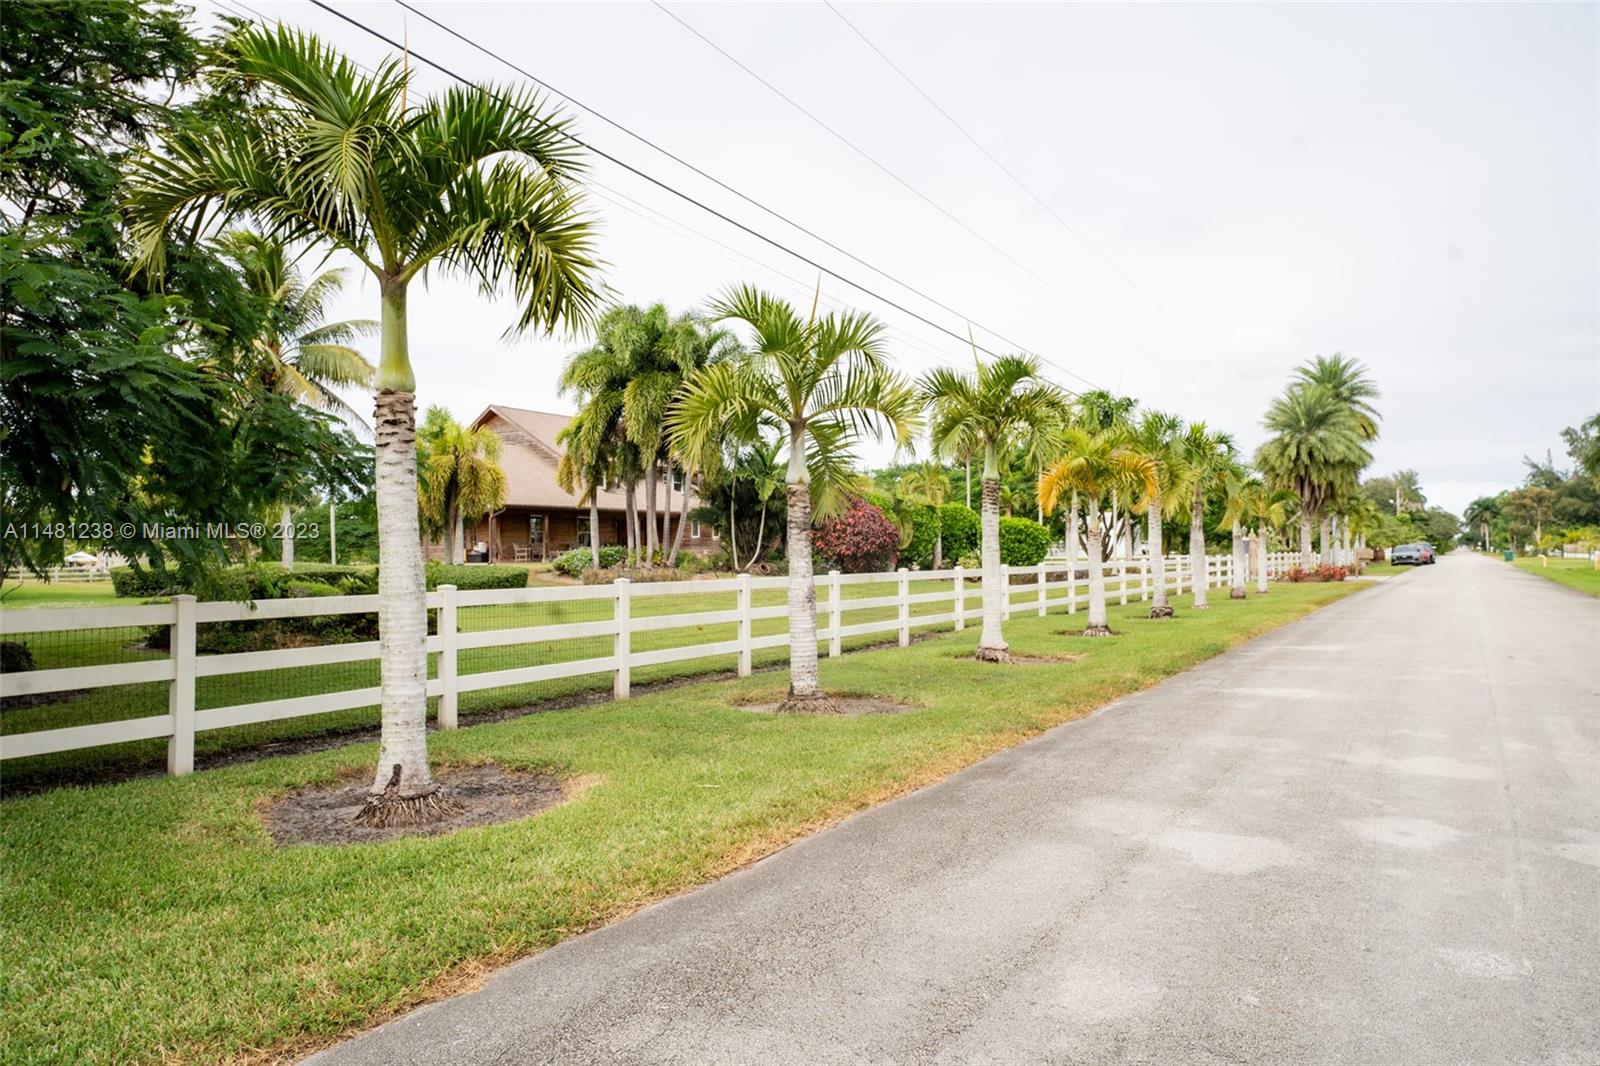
1370, 836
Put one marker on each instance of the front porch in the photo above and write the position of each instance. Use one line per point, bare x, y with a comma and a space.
527, 534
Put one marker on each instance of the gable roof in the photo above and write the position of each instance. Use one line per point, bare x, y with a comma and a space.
529, 456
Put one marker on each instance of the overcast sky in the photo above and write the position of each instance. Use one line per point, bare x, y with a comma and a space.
1414, 185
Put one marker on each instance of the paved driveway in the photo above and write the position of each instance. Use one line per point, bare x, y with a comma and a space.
1371, 836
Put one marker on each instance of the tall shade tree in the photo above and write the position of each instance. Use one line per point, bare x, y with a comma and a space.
822, 382
1095, 464
300, 354
1157, 437
1479, 515
474, 182
1209, 458
1314, 447
459, 476
999, 407
1348, 381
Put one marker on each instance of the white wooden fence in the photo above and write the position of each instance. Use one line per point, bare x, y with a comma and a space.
1036, 588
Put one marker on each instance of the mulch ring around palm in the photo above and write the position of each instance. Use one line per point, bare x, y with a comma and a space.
845, 705
484, 794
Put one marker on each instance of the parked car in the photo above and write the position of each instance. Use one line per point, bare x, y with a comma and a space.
1406, 555
1429, 556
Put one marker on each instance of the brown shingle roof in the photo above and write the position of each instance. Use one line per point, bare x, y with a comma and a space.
529, 456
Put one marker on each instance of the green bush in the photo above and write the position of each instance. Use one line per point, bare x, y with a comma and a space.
573, 563
918, 551
1023, 542
15, 657
476, 576
257, 581
960, 524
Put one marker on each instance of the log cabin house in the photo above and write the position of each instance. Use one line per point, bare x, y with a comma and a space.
540, 520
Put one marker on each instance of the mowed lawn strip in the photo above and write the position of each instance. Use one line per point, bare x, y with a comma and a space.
154, 920
1577, 574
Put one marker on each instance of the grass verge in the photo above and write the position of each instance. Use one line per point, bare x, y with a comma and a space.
153, 920
1577, 574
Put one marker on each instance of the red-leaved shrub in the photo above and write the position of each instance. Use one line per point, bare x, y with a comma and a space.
1321, 573
860, 541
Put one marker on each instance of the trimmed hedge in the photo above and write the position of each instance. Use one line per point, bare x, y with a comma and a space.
257, 581
961, 530
1023, 542
918, 551
479, 576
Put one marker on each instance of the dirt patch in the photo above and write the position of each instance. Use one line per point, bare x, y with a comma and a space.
486, 795
1081, 633
1012, 658
846, 706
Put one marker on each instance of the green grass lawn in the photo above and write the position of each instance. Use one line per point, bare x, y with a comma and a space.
153, 920
1577, 574
1384, 569
29, 593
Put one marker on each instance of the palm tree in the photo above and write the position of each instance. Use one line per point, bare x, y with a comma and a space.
1252, 502
1157, 438
822, 383
475, 181
929, 482
1348, 381
459, 476
1479, 514
1314, 448
588, 463
1096, 463
301, 355
1209, 458
1001, 406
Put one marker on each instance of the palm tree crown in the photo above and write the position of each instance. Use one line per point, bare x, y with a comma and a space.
1347, 379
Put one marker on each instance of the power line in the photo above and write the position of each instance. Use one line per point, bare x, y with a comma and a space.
1008, 172
630, 168
718, 182
864, 154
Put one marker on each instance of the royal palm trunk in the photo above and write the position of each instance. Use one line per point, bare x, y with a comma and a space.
650, 541
1258, 544
991, 642
1307, 559
594, 528
804, 686
286, 530
402, 616
683, 522
1160, 606
1197, 547
1241, 564
1097, 626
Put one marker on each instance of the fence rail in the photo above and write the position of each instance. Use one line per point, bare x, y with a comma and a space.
1051, 584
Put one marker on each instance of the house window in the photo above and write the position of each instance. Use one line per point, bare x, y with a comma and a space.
535, 530
677, 481
694, 530
585, 539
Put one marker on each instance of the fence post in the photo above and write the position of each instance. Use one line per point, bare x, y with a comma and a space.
961, 597
744, 625
835, 646
905, 607
1144, 576
447, 657
1072, 587
622, 645
1044, 579
1122, 582
1005, 591
180, 696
